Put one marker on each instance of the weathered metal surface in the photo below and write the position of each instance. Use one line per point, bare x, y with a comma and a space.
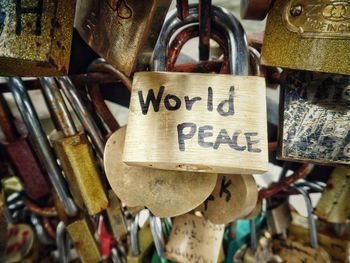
122, 32
308, 35
35, 37
315, 118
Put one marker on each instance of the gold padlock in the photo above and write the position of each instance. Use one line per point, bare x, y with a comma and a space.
115, 216
35, 37
308, 35
338, 247
75, 154
333, 206
84, 242
123, 32
194, 239
234, 197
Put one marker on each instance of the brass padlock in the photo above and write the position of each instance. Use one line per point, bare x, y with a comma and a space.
35, 37
333, 206
141, 242
186, 116
315, 117
338, 247
116, 217
165, 193
300, 251
194, 239
17, 146
308, 35
234, 197
75, 154
123, 32
278, 215
84, 242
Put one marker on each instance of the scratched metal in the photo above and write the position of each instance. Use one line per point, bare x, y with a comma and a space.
35, 37
316, 117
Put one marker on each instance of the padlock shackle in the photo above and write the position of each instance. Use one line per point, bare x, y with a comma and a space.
7, 126
134, 236
310, 216
82, 112
40, 143
58, 107
157, 234
234, 32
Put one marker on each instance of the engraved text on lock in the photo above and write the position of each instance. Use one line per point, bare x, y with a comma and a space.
318, 19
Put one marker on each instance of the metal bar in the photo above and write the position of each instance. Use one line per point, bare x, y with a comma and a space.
204, 29
58, 108
182, 9
40, 143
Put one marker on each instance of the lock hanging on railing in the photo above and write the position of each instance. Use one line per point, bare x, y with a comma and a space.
187, 116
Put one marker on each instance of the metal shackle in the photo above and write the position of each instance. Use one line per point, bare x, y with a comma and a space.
57, 105
310, 216
223, 20
82, 112
157, 234
41, 143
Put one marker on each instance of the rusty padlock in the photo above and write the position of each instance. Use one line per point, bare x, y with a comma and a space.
40, 143
75, 154
17, 146
35, 37
315, 117
308, 35
123, 32
182, 112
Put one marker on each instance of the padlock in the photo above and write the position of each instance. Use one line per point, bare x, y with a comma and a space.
258, 250
75, 154
301, 251
82, 113
186, 116
333, 206
141, 242
194, 239
165, 193
123, 32
116, 217
315, 118
337, 246
82, 235
278, 215
40, 143
35, 37
319, 29
17, 146
234, 197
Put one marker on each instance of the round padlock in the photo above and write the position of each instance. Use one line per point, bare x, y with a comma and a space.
164, 193
234, 196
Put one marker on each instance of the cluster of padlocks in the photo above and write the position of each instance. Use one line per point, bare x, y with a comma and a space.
181, 182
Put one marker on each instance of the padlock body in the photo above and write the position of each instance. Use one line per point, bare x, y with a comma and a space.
115, 216
35, 37
80, 170
197, 122
333, 206
27, 168
123, 32
84, 242
315, 118
308, 35
145, 244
